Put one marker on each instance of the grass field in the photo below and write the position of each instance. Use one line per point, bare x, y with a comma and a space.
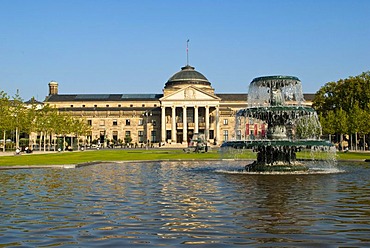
102, 155
140, 154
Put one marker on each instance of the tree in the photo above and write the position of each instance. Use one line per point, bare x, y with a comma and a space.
354, 122
364, 125
328, 123
4, 116
17, 116
349, 100
30, 119
341, 125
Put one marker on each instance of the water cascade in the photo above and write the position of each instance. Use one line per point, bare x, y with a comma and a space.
286, 125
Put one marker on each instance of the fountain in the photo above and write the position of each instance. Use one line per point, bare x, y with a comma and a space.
276, 107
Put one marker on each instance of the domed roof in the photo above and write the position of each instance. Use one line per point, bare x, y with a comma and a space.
187, 75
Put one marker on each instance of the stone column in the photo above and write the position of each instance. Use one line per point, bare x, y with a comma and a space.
196, 122
173, 131
207, 123
218, 135
184, 126
163, 124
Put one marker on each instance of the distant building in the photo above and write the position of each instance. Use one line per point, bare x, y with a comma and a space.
188, 105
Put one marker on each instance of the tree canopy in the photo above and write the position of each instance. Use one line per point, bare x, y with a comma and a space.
344, 106
344, 94
16, 116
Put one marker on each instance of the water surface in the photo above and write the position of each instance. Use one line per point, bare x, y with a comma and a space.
177, 203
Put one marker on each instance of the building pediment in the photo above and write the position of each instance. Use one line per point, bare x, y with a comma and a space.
190, 93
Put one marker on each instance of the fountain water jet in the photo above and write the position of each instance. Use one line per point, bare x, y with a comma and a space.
276, 104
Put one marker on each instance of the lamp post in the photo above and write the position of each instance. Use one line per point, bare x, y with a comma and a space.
16, 130
147, 114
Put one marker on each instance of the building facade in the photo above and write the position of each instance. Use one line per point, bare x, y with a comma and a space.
188, 105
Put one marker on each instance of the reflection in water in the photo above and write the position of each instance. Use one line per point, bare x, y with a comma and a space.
174, 203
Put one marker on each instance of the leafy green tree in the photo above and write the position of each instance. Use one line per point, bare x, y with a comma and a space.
17, 116
364, 125
80, 129
349, 100
5, 124
341, 125
328, 123
354, 122
30, 119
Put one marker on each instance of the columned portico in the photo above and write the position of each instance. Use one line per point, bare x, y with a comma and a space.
173, 129
163, 124
196, 120
217, 134
186, 120
206, 133
184, 126
192, 101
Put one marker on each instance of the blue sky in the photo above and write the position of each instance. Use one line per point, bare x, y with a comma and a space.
117, 46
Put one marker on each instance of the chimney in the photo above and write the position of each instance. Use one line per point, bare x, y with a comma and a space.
53, 88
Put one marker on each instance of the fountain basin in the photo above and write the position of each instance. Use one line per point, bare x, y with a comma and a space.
248, 144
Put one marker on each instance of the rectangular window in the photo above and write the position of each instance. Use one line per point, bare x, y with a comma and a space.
226, 121
154, 122
211, 134
238, 134
128, 122
141, 136
89, 122
153, 137
168, 134
128, 137
115, 135
102, 137
141, 122
114, 122
226, 135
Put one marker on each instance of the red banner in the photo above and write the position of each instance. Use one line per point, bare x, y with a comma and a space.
255, 130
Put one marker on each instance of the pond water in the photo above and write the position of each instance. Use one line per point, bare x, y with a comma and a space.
177, 203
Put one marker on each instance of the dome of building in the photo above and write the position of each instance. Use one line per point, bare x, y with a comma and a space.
187, 75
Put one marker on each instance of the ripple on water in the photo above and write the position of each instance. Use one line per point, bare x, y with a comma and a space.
175, 203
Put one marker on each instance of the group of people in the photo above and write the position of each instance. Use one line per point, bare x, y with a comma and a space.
26, 150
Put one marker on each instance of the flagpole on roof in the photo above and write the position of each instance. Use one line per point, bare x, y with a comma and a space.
187, 52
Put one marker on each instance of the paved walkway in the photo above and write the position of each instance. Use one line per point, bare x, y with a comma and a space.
12, 153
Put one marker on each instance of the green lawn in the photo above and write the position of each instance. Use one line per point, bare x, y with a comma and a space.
353, 155
103, 155
140, 154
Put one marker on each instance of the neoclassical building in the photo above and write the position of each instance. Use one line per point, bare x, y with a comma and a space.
188, 105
